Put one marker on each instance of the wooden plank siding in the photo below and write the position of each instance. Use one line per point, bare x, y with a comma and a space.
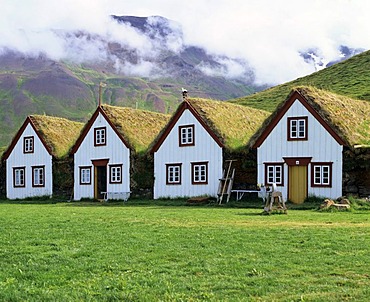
115, 152
39, 157
320, 146
205, 149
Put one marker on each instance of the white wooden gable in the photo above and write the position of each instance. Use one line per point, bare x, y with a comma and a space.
115, 152
40, 157
205, 150
320, 147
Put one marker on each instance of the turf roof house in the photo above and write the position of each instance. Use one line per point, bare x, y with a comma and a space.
40, 143
300, 147
190, 151
104, 153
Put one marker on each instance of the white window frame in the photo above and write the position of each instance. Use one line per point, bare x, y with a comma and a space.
199, 173
38, 176
186, 135
19, 177
85, 175
297, 128
321, 174
28, 144
173, 174
115, 174
100, 136
274, 173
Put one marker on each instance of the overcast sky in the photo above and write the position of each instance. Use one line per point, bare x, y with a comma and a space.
268, 34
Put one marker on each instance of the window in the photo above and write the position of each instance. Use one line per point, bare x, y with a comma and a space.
297, 128
115, 172
28, 144
173, 174
321, 174
38, 176
100, 136
85, 175
274, 173
186, 135
19, 175
199, 173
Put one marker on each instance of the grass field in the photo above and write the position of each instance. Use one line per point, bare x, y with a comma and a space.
108, 252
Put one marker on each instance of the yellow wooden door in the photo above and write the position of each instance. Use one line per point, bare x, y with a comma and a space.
297, 183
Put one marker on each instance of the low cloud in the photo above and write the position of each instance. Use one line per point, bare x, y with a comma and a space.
265, 36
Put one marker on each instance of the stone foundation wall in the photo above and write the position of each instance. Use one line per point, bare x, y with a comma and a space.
2, 180
245, 165
356, 172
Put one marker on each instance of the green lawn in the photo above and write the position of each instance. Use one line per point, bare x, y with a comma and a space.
88, 252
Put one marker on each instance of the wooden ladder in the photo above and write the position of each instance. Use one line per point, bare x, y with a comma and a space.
226, 183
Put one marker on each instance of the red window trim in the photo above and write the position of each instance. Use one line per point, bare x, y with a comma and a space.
266, 172
85, 168
24, 144
180, 176
110, 173
33, 176
100, 162
24, 177
181, 144
315, 164
192, 173
289, 119
105, 136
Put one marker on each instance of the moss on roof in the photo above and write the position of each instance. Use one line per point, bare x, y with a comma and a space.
349, 117
138, 127
58, 133
233, 124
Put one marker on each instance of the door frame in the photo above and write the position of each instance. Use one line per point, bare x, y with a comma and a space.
98, 163
297, 161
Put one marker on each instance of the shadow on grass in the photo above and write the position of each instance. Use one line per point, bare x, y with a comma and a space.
252, 214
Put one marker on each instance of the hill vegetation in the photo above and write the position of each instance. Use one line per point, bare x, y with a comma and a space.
41, 86
350, 78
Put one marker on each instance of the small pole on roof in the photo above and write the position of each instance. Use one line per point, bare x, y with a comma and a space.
184, 94
100, 91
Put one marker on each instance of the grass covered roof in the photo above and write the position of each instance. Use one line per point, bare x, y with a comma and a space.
233, 124
138, 127
349, 118
59, 134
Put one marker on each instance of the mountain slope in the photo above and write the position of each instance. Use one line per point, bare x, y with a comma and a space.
349, 78
36, 84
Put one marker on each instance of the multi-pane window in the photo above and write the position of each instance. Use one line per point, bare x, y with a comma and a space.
28, 144
100, 138
297, 128
173, 174
19, 177
85, 175
321, 174
38, 176
186, 135
199, 172
274, 174
115, 172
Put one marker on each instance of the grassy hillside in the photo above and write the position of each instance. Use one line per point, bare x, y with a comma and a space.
31, 86
349, 78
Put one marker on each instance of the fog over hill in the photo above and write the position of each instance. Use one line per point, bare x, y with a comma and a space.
143, 60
